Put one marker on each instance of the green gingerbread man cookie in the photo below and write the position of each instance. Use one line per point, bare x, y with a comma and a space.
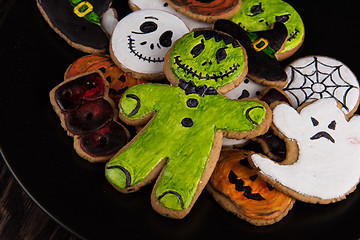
181, 141
260, 15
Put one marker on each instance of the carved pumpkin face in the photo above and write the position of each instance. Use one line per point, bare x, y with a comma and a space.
254, 198
119, 82
206, 7
207, 57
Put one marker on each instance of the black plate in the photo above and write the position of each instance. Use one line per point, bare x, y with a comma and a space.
76, 193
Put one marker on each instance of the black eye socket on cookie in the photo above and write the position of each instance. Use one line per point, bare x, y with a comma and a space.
147, 27
221, 54
255, 10
283, 18
165, 39
314, 121
195, 51
332, 125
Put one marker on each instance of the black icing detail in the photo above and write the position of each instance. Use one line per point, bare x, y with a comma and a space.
244, 94
191, 88
138, 104
314, 121
139, 55
323, 135
332, 125
255, 10
197, 49
283, 18
147, 27
248, 116
270, 187
245, 163
174, 193
239, 186
126, 172
253, 178
293, 35
221, 55
192, 103
218, 36
165, 38
187, 122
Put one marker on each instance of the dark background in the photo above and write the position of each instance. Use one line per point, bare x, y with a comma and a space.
76, 194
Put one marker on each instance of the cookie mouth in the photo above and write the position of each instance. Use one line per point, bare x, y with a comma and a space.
293, 35
189, 70
323, 135
133, 50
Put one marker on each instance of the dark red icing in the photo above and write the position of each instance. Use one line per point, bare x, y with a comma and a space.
89, 116
71, 94
105, 141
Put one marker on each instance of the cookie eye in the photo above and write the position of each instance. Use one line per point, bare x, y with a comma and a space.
255, 10
314, 121
221, 54
165, 39
148, 27
332, 125
197, 49
283, 18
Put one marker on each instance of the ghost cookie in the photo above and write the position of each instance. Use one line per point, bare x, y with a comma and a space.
163, 5
141, 39
78, 22
261, 48
238, 189
247, 89
206, 10
260, 15
317, 77
181, 142
325, 167
89, 116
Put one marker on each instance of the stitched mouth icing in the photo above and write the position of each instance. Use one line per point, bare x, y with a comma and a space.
132, 48
293, 35
189, 70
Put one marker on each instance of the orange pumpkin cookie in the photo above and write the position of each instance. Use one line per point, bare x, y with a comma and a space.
238, 189
207, 10
118, 81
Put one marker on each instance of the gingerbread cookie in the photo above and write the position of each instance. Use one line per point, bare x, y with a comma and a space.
238, 189
260, 15
261, 48
89, 116
78, 22
163, 5
186, 122
325, 166
317, 77
206, 10
141, 39
118, 81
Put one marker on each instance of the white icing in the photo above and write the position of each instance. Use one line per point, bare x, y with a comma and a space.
163, 5
316, 77
324, 169
247, 88
109, 21
144, 52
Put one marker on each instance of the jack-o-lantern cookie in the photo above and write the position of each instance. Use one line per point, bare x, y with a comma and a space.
260, 15
317, 77
322, 163
261, 48
141, 39
118, 81
78, 22
89, 116
207, 10
163, 5
186, 121
238, 189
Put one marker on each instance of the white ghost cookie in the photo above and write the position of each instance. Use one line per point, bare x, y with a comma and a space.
140, 40
317, 77
327, 166
163, 5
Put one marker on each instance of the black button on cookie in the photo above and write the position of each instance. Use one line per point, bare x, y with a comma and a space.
192, 103
187, 122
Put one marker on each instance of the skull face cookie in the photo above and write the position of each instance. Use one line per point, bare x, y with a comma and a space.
327, 166
185, 124
141, 39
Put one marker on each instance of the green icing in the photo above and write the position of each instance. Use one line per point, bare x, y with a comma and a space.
259, 15
91, 16
195, 55
186, 150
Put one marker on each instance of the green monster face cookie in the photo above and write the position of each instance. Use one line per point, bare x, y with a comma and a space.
259, 15
207, 57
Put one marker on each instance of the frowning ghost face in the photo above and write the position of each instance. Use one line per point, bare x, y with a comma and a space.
141, 39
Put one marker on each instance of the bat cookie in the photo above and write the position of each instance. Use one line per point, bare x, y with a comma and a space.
322, 164
181, 142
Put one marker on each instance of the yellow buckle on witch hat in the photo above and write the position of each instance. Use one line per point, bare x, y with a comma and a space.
88, 10
258, 42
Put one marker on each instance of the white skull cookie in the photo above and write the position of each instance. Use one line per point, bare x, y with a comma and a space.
327, 166
141, 39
